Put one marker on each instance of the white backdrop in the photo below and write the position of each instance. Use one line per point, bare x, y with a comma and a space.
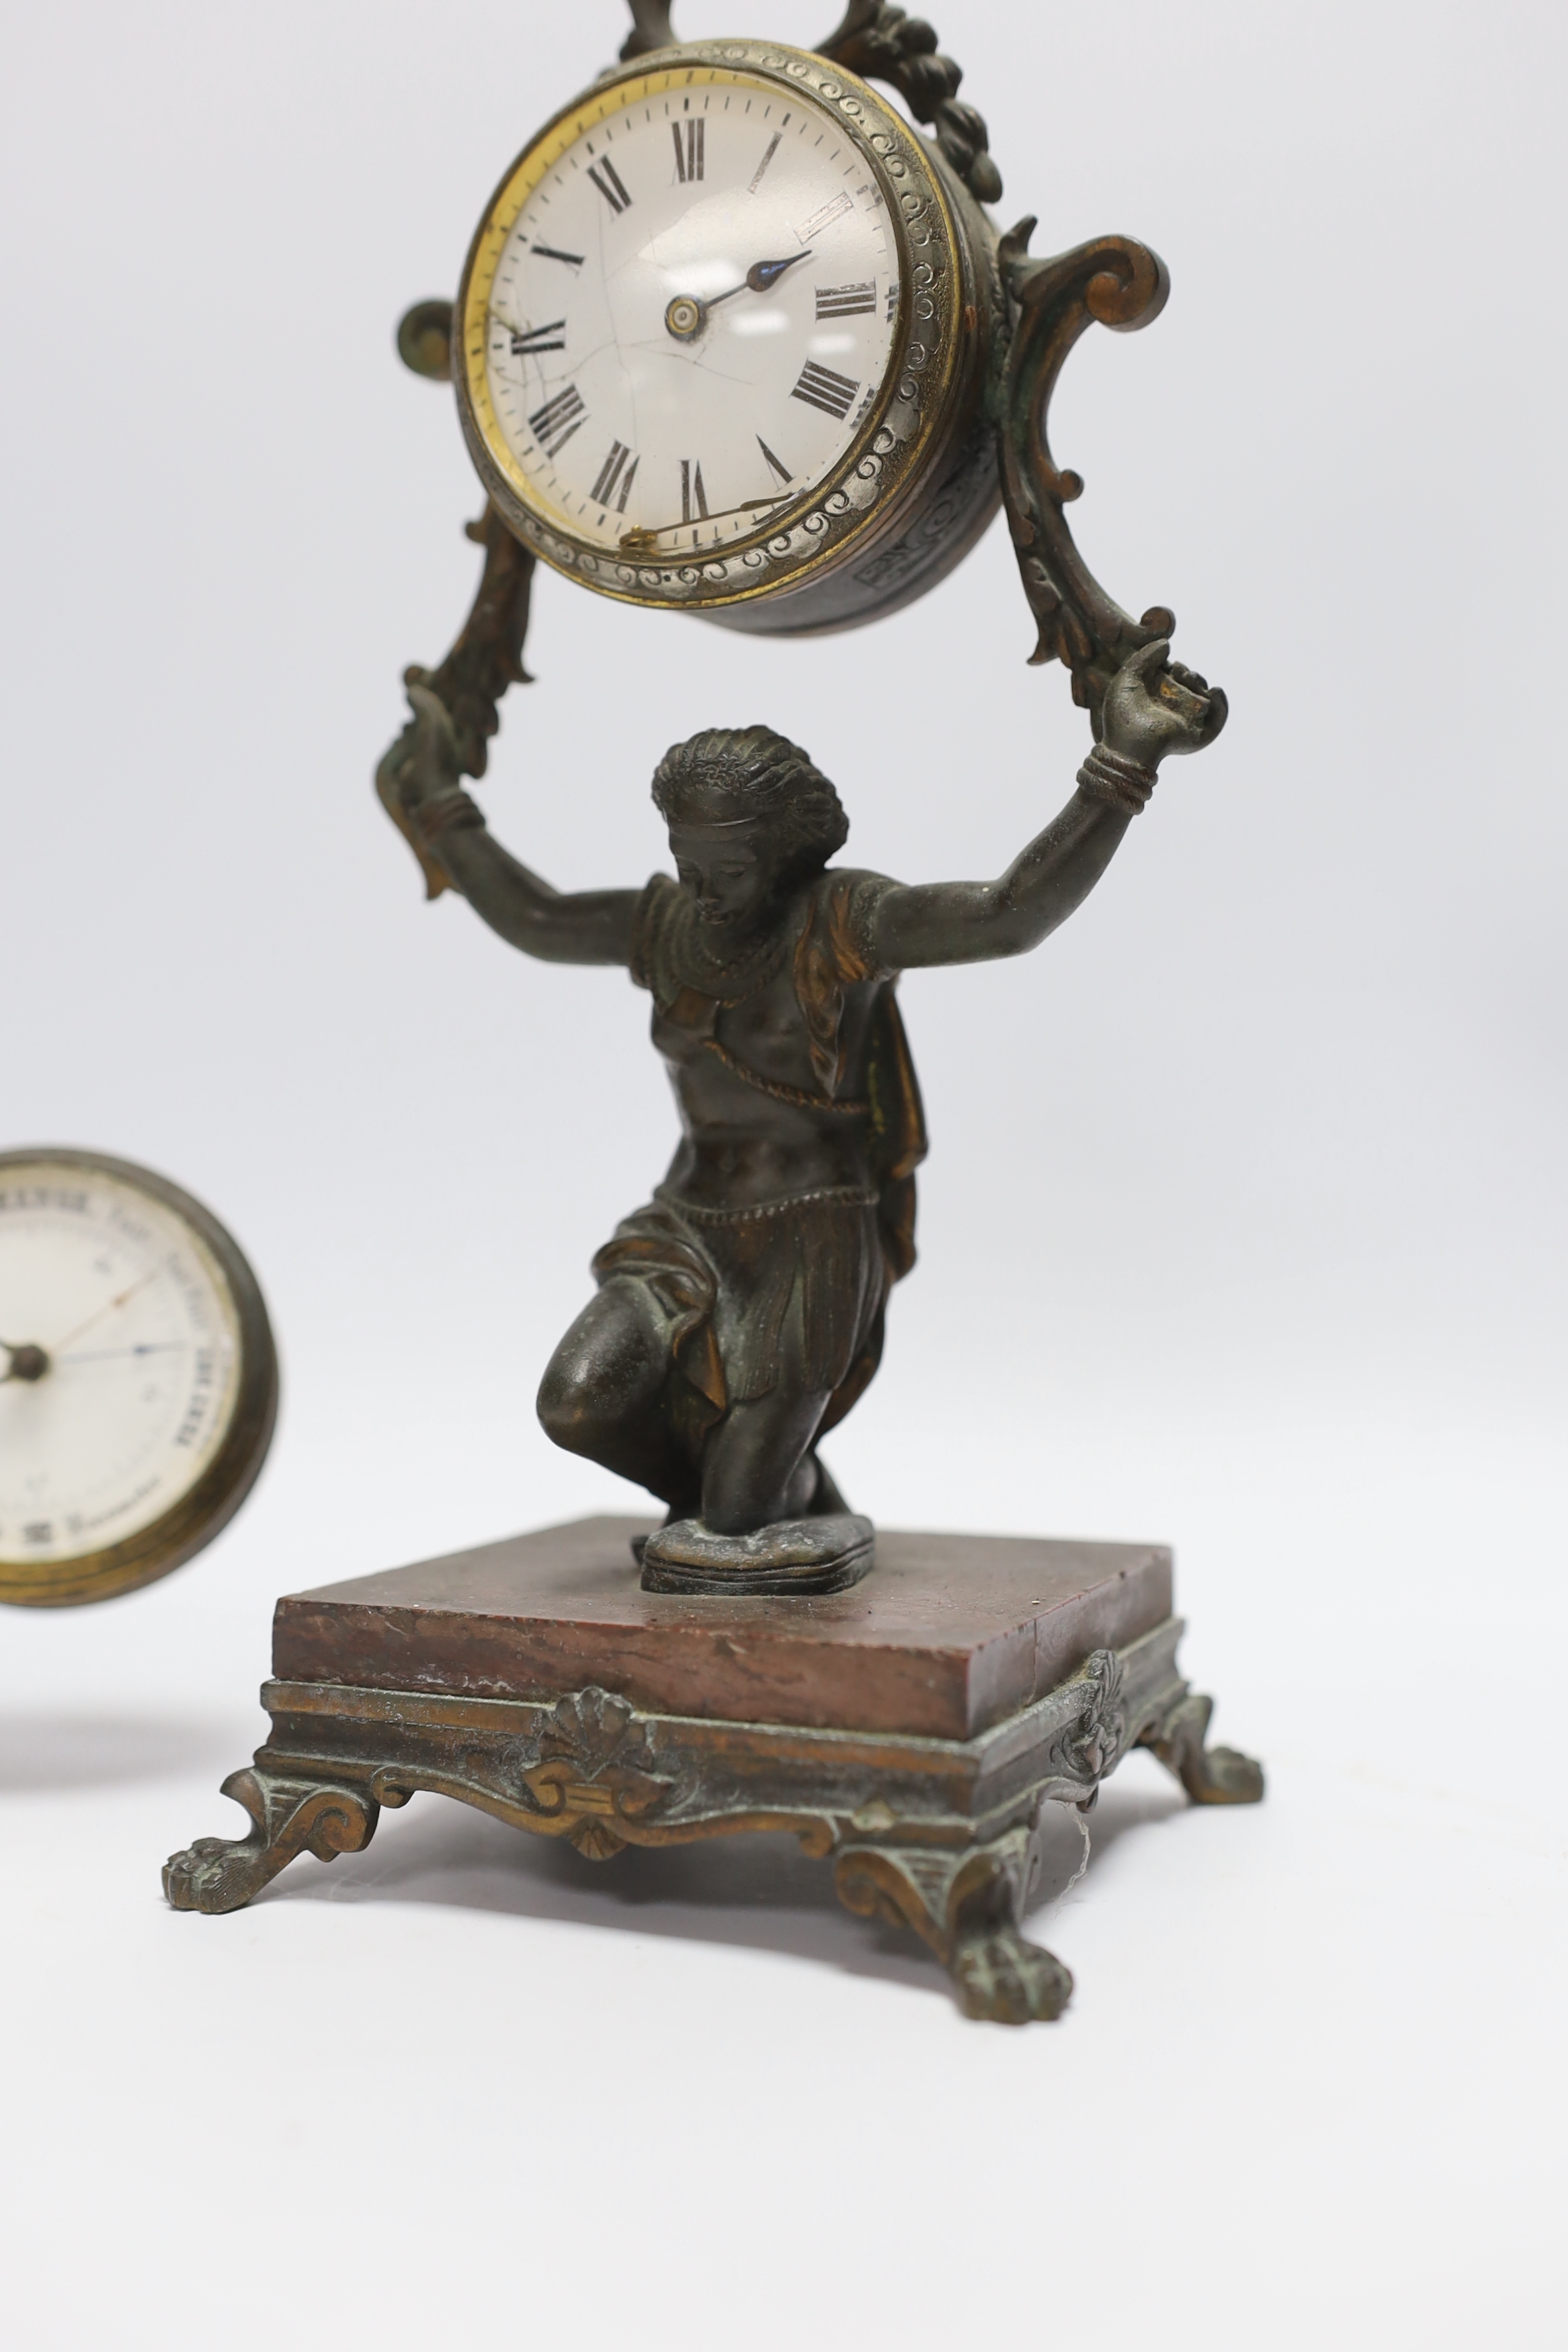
1242, 1225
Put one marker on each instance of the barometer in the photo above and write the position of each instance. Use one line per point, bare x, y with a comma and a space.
137, 1376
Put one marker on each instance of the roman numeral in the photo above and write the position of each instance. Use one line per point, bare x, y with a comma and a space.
769, 152
534, 340
554, 424
689, 150
549, 253
775, 465
610, 473
610, 186
846, 301
693, 497
823, 388
828, 212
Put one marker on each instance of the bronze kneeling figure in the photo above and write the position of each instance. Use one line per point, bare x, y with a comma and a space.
740, 1314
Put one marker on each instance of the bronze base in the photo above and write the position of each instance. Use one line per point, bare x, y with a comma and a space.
912, 1731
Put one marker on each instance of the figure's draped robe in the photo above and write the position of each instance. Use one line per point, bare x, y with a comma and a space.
811, 1273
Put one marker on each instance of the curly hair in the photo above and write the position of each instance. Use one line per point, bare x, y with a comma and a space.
729, 773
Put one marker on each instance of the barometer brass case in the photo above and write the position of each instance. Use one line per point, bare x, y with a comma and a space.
206, 1507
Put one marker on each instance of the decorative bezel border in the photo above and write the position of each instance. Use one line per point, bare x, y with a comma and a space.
905, 423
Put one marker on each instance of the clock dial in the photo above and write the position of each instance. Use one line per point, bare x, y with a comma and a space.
691, 316
123, 1373
723, 340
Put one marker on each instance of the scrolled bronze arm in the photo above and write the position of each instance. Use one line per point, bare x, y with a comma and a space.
485, 660
1123, 285
651, 29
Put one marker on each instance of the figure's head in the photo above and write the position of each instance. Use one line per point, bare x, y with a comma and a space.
749, 818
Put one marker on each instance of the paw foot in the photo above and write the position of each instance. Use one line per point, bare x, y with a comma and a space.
215, 1875
1223, 1775
1007, 1981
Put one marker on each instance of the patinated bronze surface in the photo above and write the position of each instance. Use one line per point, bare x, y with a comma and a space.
740, 1312
951, 1634
621, 1683
911, 1731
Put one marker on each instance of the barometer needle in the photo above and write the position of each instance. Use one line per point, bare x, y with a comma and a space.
81, 1329
141, 1348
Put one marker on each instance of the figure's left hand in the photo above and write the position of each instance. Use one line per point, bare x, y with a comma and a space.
1155, 708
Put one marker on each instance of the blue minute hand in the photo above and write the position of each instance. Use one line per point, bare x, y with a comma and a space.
762, 276
685, 316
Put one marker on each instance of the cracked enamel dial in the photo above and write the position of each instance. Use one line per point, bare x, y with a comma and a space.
690, 316
724, 337
130, 1359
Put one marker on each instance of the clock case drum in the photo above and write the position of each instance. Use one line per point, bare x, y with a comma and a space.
920, 482
960, 425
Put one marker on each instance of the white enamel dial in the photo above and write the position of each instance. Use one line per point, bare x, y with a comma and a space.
120, 1362
691, 316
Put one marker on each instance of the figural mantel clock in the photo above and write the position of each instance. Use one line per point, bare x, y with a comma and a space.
736, 338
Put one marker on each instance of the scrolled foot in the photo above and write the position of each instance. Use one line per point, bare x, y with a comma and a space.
1211, 1776
966, 1907
290, 1817
1002, 1978
215, 1875
1223, 1776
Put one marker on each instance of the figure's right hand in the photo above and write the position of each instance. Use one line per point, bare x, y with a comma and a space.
423, 760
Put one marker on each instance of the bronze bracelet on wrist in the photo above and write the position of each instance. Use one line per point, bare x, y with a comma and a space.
452, 807
1120, 783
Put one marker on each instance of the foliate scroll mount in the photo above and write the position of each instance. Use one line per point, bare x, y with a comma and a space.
1123, 285
881, 42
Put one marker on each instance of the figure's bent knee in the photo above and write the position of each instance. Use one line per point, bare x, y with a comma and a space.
610, 1367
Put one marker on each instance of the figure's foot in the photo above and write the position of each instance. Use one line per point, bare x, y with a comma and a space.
1003, 1978
802, 1555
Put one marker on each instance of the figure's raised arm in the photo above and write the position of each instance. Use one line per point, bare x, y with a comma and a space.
1151, 710
419, 783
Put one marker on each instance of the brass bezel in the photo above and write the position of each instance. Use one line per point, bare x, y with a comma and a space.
876, 480
168, 1542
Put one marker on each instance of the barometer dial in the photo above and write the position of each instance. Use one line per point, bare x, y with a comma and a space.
138, 1377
